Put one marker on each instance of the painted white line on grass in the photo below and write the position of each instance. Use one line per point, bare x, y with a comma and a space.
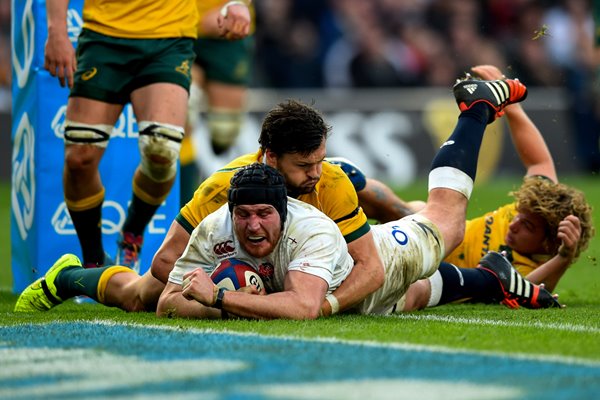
512, 324
366, 343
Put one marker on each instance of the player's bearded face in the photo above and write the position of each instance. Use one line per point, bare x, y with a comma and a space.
301, 172
258, 228
527, 234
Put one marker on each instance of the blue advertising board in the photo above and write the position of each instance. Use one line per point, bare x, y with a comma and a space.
41, 228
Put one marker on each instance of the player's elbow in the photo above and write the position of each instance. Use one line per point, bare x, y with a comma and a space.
309, 314
165, 308
161, 267
171, 304
307, 309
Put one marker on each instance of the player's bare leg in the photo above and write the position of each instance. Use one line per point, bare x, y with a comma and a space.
88, 126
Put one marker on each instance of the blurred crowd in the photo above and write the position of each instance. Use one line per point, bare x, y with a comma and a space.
397, 43
402, 43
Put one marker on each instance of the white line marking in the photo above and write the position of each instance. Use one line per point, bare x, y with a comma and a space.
478, 321
400, 346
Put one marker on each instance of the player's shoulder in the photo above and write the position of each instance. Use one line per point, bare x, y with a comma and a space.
299, 209
333, 179
508, 210
217, 223
332, 171
219, 181
306, 221
503, 211
237, 163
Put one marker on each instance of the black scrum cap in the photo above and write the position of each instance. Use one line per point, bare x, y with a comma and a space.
259, 184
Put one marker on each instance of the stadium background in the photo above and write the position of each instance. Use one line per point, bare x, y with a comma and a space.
381, 71
505, 353
349, 44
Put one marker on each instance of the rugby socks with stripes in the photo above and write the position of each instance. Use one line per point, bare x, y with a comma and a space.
454, 284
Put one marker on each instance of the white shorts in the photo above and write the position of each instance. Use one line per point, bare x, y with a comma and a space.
411, 249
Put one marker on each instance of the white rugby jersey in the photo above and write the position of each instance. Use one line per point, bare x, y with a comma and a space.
311, 242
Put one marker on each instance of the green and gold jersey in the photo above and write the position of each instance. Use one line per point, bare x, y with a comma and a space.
488, 233
334, 195
142, 19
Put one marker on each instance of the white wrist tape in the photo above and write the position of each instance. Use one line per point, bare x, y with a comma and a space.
333, 301
231, 3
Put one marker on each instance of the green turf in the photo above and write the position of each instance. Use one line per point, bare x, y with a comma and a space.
572, 332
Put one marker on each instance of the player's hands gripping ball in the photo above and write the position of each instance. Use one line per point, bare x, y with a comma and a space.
234, 274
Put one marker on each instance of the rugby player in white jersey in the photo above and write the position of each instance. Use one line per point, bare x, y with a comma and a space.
299, 252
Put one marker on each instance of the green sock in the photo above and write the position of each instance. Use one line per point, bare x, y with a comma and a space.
139, 215
88, 225
77, 281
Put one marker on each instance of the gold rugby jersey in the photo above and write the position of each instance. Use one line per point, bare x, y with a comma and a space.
488, 233
334, 195
142, 19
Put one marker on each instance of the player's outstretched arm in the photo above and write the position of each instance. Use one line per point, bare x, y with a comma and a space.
526, 137
197, 298
380, 203
173, 304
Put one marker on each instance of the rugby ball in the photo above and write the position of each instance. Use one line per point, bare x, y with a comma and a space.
232, 274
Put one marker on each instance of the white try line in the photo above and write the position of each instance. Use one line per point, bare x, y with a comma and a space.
365, 343
491, 322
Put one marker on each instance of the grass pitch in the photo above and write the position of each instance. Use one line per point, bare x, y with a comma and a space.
573, 332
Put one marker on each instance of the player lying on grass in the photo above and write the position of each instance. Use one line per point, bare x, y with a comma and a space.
293, 139
543, 232
30, 300
304, 252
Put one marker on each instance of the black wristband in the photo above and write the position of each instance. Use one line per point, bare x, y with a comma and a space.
219, 303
